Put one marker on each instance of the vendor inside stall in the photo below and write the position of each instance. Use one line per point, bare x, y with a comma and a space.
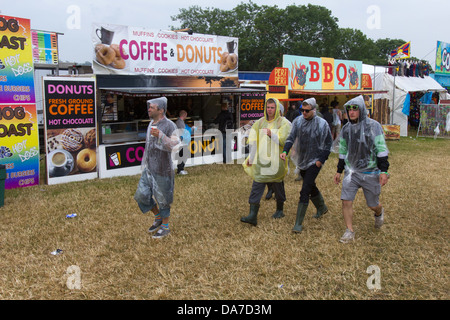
124, 116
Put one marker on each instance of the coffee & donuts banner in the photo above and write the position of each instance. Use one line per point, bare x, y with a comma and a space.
135, 50
70, 129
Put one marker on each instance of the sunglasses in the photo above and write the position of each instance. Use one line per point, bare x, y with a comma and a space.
353, 107
305, 110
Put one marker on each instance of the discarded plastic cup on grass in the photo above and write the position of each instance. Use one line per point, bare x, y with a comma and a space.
72, 215
56, 252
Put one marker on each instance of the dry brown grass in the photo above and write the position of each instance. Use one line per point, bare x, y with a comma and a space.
210, 254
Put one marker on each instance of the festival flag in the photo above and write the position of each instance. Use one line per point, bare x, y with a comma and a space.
402, 52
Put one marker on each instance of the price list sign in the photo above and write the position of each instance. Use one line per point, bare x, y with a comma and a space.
45, 47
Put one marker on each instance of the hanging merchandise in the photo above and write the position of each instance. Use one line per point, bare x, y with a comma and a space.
447, 125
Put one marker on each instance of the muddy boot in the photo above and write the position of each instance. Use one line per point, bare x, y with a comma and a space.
279, 213
251, 218
320, 205
301, 211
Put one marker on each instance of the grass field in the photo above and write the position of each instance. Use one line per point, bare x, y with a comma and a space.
210, 254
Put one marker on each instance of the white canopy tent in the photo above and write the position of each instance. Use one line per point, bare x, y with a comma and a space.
398, 87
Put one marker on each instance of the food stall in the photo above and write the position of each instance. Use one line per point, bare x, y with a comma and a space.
197, 73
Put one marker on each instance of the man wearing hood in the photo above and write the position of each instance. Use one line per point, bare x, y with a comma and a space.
266, 140
364, 156
312, 138
155, 189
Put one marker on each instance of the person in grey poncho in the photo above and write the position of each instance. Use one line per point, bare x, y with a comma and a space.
311, 137
364, 156
156, 185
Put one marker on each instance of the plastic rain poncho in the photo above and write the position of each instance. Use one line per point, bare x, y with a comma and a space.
311, 139
361, 143
157, 167
265, 151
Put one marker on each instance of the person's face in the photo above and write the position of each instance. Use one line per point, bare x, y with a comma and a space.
307, 111
353, 113
271, 108
153, 111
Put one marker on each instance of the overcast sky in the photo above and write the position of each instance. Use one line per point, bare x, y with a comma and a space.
419, 21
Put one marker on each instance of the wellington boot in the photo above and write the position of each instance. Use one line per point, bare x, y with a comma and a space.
252, 217
301, 211
320, 205
279, 213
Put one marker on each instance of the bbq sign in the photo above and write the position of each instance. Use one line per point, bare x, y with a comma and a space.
306, 73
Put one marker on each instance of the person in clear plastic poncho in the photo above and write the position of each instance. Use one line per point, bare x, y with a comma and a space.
156, 185
266, 140
364, 156
311, 138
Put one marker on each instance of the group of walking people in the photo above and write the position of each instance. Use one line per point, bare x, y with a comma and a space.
308, 140
273, 139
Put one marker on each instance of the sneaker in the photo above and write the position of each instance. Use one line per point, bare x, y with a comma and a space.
182, 172
161, 233
379, 219
155, 226
348, 236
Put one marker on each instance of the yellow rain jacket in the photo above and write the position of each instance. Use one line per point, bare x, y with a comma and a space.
266, 165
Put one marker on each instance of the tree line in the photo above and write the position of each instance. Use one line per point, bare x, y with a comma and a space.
266, 33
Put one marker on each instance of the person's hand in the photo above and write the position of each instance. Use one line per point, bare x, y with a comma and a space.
267, 131
337, 178
283, 156
318, 164
249, 164
384, 177
154, 132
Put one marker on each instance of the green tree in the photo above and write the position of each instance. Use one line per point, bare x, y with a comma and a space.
354, 45
266, 33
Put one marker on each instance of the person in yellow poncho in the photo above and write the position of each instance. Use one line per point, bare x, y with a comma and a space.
266, 141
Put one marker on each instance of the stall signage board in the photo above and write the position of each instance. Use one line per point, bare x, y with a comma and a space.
307, 73
70, 129
121, 49
277, 89
45, 47
19, 134
131, 155
443, 58
252, 106
279, 77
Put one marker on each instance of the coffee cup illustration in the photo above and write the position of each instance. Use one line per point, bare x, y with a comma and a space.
105, 36
115, 158
231, 46
61, 164
59, 160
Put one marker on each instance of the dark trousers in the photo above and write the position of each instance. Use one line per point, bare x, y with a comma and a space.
309, 188
258, 191
180, 165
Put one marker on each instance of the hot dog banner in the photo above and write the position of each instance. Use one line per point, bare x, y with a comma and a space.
70, 129
19, 134
135, 50
307, 73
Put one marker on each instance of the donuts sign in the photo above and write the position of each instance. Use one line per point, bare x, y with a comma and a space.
133, 50
70, 129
